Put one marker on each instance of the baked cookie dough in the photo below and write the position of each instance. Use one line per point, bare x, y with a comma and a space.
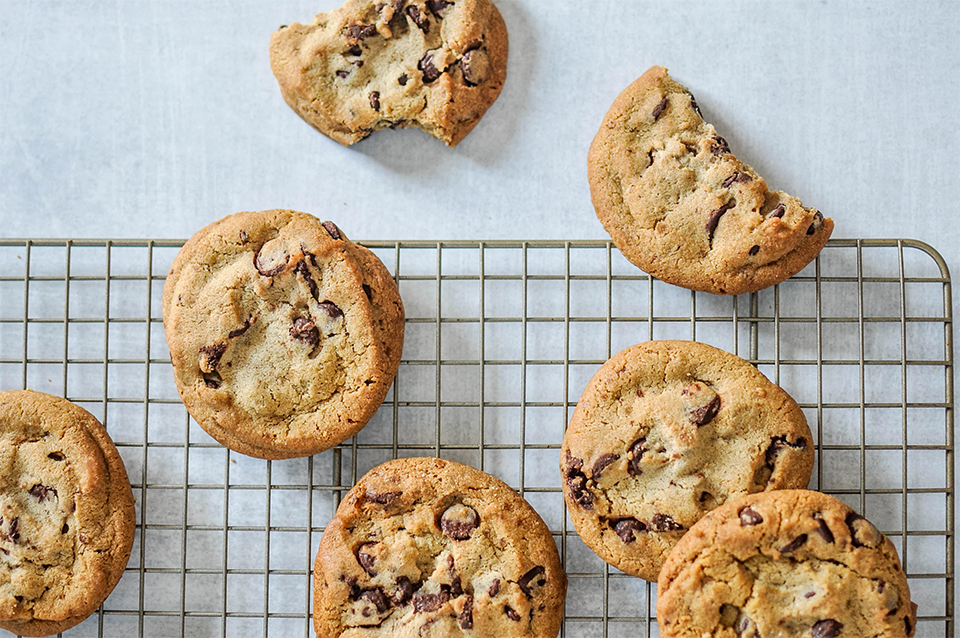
66, 514
283, 334
680, 206
786, 563
664, 432
427, 547
371, 64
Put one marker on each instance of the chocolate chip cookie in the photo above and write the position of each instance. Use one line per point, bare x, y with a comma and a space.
682, 207
284, 335
66, 514
786, 563
371, 64
427, 547
666, 431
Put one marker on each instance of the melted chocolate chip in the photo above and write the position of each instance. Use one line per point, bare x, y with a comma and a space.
418, 18
376, 597
404, 592
636, 452
210, 356
627, 528
703, 414
777, 212
474, 65
354, 50
719, 146
13, 533
366, 559
333, 311
458, 521
305, 331
778, 443
736, 177
382, 498
659, 108
56, 456
402, 80
749, 516
360, 31
375, 100
576, 482
664, 523
826, 629
795, 544
530, 582
233, 334
426, 66
342, 74
862, 532
754, 249
822, 528
430, 602
332, 230
603, 463
494, 588
437, 7
511, 614
465, 619
42, 492
714, 219
212, 380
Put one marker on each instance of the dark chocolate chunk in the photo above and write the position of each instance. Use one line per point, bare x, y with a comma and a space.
826, 629
736, 177
233, 334
360, 31
749, 516
418, 18
777, 212
458, 521
402, 80
777, 443
332, 230
56, 456
576, 482
42, 492
404, 592
305, 331
64, 529
627, 528
603, 463
636, 452
754, 249
531, 581
210, 356
659, 108
720, 146
795, 544
465, 619
474, 66
511, 614
703, 414
862, 532
263, 266
425, 65
366, 559
494, 588
693, 103
664, 523
714, 219
376, 597
437, 7
375, 100
333, 311
822, 528
382, 498
430, 602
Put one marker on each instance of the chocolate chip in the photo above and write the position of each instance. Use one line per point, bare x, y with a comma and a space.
64, 529
342, 74
626, 528
475, 66
305, 331
714, 219
366, 559
382, 498
636, 452
720, 146
437, 7
358, 63
418, 18
659, 108
810, 594
233, 334
375, 100
465, 619
360, 31
494, 588
367, 291
795, 544
426, 66
333, 310
826, 629
511, 614
332, 230
354, 50
244, 237
749, 516
777, 212
264, 262
817, 220
696, 107
42, 492
13, 533
862, 532
376, 597
576, 482
404, 592
212, 380
664, 523
703, 414
402, 80
56, 456
458, 521
531, 581
822, 528
754, 249
603, 463
736, 177
778, 443
430, 602
210, 356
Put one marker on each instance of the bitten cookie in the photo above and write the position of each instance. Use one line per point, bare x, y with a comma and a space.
284, 335
427, 547
666, 431
682, 207
786, 563
371, 65
66, 514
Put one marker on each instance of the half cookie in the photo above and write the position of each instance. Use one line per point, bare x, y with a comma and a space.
666, 431
373, 65
67, 516
786, 563
284, 335
427, 547
682, 207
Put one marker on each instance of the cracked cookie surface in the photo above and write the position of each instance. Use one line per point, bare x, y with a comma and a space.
370, 65
427, 547
284, 335
792, 563
66, 514
664, 432
680, 206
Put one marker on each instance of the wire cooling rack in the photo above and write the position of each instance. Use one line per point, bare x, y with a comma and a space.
501, 338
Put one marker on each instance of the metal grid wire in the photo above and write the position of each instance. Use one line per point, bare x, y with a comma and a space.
501, 338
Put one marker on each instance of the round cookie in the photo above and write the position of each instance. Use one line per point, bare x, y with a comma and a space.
786, 563
664, 432
427, 547
371, 65
67, 515
682, 207
284, 335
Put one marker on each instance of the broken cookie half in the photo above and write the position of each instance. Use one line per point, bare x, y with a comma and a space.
435, 64
682, 207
